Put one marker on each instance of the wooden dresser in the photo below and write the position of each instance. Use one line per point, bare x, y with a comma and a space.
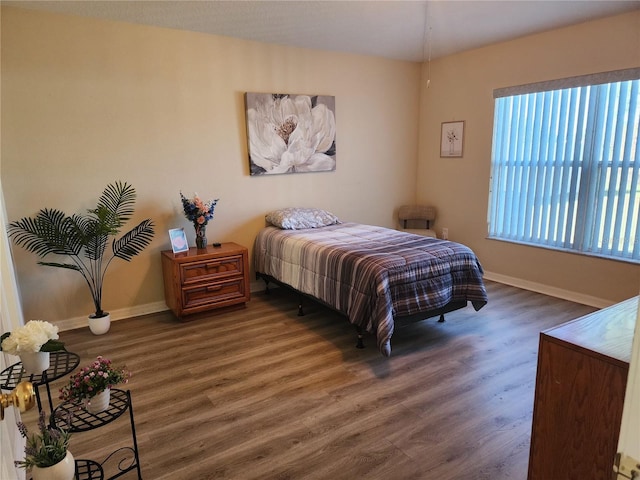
579, 397
204, 280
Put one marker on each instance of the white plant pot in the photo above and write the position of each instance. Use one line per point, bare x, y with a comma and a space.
99, 325
100, 402
34, 362
65, 469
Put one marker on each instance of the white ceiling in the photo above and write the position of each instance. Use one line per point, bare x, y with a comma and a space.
398, 29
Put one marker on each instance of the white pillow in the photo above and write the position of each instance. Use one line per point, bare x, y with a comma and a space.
299, 218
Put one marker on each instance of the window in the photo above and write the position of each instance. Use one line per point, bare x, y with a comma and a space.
565, 165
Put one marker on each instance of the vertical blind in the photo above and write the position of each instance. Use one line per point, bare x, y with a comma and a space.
565, 167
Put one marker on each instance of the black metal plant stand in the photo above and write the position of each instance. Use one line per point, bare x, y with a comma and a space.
83, 421
61, 363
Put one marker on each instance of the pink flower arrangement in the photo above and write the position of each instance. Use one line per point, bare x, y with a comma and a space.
198, 211
93, 379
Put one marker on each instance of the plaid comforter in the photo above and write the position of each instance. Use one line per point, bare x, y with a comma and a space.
371, 274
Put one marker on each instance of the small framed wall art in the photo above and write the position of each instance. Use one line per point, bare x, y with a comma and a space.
178, 240
452, 139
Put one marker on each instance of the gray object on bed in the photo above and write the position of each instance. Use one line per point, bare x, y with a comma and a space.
371, 274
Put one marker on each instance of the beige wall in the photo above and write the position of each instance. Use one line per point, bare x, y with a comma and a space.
461, 88
86, 102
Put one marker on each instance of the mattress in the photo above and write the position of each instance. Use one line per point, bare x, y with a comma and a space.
371, 274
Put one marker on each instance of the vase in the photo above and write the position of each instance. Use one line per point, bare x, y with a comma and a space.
201, 236
65, 469
99, 325
34, 362
100, 402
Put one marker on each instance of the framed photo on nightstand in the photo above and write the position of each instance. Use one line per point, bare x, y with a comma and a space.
178, 240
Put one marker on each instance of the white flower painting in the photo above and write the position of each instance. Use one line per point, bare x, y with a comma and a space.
290, 133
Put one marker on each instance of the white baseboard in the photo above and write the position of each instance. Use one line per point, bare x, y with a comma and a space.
155, 307
547, 290
135, 311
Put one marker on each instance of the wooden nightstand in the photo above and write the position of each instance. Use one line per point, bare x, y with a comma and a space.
205, 280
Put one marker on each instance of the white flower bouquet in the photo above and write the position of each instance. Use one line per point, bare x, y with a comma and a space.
34, 336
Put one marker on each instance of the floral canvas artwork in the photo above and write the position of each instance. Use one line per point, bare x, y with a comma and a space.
290, 133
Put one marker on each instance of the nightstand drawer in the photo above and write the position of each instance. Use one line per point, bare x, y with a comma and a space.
209, 270
213, 293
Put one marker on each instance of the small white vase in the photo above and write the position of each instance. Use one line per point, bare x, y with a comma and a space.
100, 402
65, 469
35, 362
99, 325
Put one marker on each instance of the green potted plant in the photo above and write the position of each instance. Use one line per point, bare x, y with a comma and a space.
46, 453
83, 239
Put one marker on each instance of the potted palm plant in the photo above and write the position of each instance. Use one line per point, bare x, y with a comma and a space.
83, 239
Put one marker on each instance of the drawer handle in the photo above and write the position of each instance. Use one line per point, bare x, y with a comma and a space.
214, 289
218, 267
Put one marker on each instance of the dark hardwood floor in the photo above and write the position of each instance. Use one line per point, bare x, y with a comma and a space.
261, 393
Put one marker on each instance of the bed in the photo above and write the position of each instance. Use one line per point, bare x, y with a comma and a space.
371, 274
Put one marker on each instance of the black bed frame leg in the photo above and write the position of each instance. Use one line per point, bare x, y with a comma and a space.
300, 311
360, 343
266, 286
441, 320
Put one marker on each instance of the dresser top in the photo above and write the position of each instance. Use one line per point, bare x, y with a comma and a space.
607, 332
227, 248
